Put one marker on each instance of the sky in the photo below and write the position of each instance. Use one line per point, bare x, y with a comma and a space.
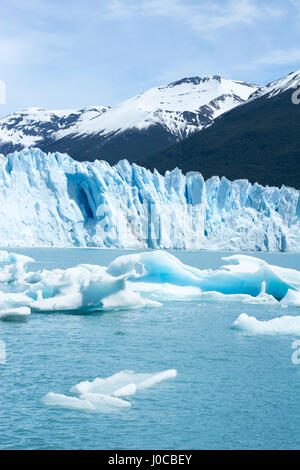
73, 53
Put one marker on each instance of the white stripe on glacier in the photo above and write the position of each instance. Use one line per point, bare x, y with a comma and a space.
51, 200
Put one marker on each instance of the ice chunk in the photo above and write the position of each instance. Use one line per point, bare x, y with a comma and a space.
292, 298
169, 292
87, 402
81, 289
6, 257
280, 325
13, 273
246, 275
58, 399
14, 299
143, 280
103, 395
127, 299
15, 314
125, 391
156, 266
121, 380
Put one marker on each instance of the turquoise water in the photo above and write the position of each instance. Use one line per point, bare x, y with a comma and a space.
232, 391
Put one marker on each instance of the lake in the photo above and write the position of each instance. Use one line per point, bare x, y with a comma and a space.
232, 390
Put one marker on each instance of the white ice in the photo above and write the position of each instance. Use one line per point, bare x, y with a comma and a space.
103, 395
15, 314
146, 279
292, 298
280, 325
245, 275
52, 200
7, 257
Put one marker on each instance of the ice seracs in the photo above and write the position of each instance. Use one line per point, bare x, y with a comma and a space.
51, 200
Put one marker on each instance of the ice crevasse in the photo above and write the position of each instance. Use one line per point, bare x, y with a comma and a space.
52, 200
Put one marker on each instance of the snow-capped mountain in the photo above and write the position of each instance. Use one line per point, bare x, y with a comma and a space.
290, 81
258, 140
51, 200
181, 107
35, 125
146, 123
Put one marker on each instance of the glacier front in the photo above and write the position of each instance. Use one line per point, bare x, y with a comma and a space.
52, 200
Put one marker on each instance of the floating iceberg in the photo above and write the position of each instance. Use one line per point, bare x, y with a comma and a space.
246, 275
103, 395
15, 314
292, 299
280, 325
6, 257
52, 200
84, 288
146, 279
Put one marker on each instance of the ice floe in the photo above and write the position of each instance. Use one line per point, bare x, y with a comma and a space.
15, 314
281, 325
6, 257
145, 280
244, 275
103, 395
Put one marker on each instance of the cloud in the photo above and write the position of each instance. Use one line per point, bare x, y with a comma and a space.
280, 57
199, 16
12, 51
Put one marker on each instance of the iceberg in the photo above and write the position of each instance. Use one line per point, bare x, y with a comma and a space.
245, 275
6, 257
103, 395
281, 325
146, 279
15, 314
52, 200
291, 298
84, 288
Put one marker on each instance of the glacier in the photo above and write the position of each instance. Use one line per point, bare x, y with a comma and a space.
52, 200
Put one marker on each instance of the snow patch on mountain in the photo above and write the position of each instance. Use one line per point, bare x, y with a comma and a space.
29, 127
181, 107
206, 97
278, 86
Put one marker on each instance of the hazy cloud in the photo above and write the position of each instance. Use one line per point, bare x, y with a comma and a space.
71, 53
199, 16
280, 57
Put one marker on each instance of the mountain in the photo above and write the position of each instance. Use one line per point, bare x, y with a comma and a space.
258, 140
34, 126
52, 200
137, 127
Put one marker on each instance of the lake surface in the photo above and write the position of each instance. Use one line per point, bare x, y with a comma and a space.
232, 390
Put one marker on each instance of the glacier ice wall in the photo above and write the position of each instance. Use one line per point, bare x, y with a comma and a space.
51, 200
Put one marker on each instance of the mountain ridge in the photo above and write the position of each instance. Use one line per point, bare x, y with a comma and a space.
165, 114
258, 140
